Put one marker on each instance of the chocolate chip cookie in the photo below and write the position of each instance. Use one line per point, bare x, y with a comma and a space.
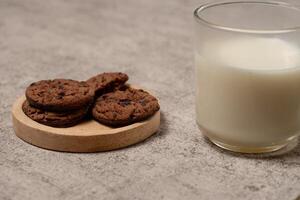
125, 107
55, 119
107, 82
59, 95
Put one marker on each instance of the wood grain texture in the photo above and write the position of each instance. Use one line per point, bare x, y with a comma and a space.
88, 136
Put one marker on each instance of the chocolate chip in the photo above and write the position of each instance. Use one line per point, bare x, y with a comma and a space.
124, 102
143, 102
61, 93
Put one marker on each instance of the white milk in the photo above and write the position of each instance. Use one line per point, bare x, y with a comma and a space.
248, 90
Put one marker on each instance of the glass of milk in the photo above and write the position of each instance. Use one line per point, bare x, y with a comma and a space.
247, 58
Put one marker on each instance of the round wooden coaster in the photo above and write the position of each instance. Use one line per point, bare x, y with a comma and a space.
88, 136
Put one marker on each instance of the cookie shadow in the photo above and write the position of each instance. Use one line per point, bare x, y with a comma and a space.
160, 134
290, 151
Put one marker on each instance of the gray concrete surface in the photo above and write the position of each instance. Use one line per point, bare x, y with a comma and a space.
151, 41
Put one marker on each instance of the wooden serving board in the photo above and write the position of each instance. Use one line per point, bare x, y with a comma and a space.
88, 136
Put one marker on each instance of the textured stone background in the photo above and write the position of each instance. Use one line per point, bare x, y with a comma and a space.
151, 41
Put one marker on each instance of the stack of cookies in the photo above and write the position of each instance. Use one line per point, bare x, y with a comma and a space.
65, 102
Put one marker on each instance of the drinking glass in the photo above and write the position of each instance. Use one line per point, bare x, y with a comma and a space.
247, 60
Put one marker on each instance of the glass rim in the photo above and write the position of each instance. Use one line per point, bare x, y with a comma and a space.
202, 7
